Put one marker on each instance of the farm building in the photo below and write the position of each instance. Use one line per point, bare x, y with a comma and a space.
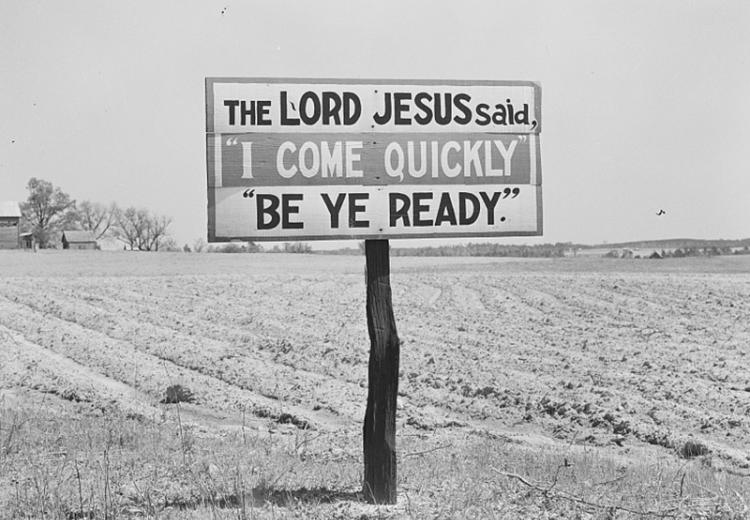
10, 216
73, 239
27, 241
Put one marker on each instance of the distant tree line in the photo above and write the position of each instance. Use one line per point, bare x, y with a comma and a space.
48, 211
680, 252
233, 247
706, 251
523, 251
252, 247
672, 244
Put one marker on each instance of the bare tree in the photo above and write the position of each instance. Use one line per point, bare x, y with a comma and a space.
199, 246
139, 229
94, 217
127, 226
156, 231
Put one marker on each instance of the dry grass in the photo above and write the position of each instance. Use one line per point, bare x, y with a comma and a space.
67, 460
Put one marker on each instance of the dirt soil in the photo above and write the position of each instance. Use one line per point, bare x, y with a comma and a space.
625, 355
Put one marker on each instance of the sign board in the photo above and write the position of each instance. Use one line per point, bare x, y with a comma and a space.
302, 159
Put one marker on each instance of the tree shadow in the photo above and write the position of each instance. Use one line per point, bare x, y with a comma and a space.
262, 495
319, 495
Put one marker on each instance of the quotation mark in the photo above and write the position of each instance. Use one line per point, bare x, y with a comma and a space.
248, 193
507, 192
232, 141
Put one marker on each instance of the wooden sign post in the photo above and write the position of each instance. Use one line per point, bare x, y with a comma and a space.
380, 418
373, 159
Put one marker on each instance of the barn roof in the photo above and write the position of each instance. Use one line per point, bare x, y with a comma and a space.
74, 235
9, 208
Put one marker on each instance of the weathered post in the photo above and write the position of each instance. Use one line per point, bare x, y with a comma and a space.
380, 417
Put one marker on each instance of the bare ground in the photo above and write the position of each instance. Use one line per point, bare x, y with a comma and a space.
607, 363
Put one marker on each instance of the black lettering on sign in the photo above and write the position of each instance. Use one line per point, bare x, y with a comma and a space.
399, 211
464, 218
443, 109
420, 207
355, 208
267, 211
421, 102
334, 208
245, 112
483, 117
445, 212
284, 104
309, 99
264, 108
255, 111
500, 115
267, 205
490, 202
386, 116
400, 107
522, 116
287, 208
331, 108
232, 104
352, 108
462, 105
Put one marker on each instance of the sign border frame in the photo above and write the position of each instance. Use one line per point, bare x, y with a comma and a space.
211, 206
213, 238
210, 81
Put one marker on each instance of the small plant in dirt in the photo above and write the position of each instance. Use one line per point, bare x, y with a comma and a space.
693, 449
178, 394
69, 394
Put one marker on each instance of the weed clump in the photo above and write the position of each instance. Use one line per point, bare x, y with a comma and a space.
69, 394
178, 394
692, 449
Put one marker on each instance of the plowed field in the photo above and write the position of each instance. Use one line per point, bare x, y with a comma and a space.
628, 357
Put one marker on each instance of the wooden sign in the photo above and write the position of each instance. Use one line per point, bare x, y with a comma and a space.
333, 159
373, 159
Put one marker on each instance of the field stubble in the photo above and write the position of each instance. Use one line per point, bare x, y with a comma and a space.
574, 387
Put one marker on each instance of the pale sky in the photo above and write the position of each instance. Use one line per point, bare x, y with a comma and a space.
645, 105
